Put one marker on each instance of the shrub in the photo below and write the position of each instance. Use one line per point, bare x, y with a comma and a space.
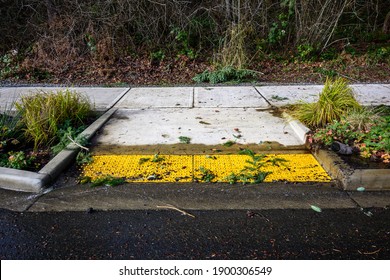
225, 74
335, 100
371, 138
17, 160
43, 113
10, 129
64, 134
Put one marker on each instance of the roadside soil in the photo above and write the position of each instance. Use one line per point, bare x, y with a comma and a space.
141, 71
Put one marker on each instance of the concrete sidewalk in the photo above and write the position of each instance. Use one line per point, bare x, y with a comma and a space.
187, 97
207, 115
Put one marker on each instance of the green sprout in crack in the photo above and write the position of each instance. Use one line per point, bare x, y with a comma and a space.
184, 139
232, 178
253, 171
229, 143
157, 158
143, 160
108, 181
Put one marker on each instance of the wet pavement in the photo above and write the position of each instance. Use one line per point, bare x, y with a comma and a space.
223, 234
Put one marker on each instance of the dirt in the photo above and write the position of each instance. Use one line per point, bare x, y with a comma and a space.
177, 149
357, 162
140, 71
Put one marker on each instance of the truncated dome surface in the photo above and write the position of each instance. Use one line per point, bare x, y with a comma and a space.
188, 168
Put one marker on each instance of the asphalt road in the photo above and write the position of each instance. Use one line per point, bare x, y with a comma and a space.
169, 234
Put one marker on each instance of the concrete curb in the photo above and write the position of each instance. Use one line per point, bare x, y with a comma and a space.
20, 180
300, 129
25, 181
349, 179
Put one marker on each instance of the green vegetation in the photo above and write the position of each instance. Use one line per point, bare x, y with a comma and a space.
229, 143
17, 160
184, 139
42, 114
155, 158
335, 101
169, 43
8, 65
9, 129
370, 138
225, 74
66, 134
44, 122
337, 116
252, 172
206, 175
108, 181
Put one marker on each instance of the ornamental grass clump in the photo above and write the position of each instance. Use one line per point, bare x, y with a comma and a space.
335, 101
44, 113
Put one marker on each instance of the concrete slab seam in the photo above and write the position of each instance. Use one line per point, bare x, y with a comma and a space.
118, 98
269, 103
193, 98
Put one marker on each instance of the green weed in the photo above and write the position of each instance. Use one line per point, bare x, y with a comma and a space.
330, 73
157, 158
16, 160
185, 139
8, 65
369, 137
378, 55
278, 98
206, 175
157, 56
225, 74
306, 52
84, 157
108, 181
182, 39
65, 134
253, 170
229, 143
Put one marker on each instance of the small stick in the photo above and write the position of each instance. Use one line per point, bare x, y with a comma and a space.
372, 253
169, 206
345, 76
77, 144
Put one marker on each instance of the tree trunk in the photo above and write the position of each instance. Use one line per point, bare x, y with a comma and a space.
386, 24
51, 11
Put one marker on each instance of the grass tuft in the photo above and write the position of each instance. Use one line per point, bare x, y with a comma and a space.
42, 114
335, 101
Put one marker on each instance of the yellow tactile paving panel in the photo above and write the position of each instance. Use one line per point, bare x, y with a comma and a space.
295, 168
187, 168
141, 168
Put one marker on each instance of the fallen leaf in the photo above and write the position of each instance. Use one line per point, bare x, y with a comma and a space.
361, 189
316, 208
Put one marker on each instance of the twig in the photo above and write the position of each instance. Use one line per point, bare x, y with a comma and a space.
77, 144
370, 253
169, 206
345, 76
